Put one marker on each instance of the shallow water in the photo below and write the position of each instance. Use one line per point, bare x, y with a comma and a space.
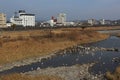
103, 59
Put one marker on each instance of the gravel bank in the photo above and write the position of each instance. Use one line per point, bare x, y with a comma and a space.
76, 72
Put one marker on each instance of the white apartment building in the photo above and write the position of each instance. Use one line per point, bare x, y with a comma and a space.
92, 21
16, 20
2, 20
23, 19
61, 18
102, 21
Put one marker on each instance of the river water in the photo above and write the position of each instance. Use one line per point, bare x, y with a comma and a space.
104, 59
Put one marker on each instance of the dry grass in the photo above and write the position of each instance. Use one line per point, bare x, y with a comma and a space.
28, 77
118, 35
115, 75
25, 44
104, 28
94, 28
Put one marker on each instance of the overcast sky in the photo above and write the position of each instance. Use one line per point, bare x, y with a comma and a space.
75, 9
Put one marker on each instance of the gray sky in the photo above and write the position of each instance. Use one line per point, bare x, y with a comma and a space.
75, 9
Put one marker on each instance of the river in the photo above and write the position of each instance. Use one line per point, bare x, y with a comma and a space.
106, 60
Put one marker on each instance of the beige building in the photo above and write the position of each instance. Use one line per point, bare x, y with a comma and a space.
61, 18
2, 20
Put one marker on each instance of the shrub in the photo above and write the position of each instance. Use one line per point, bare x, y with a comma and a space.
115, 75
1, 43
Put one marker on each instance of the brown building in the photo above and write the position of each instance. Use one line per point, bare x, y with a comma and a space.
2, 20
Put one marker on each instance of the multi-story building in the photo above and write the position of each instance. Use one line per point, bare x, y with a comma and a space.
61, 18
106, 22
23, 19
102, 22
92, 21
16, 20
2, 20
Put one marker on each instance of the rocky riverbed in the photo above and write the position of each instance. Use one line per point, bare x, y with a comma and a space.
81, 49
76, 72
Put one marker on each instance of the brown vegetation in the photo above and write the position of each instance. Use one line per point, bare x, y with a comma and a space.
28, 77
105, 28
118, 35
115, 75
18, 45
97, 28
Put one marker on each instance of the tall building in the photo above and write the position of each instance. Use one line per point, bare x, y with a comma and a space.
2, 20
24, 19
61, 18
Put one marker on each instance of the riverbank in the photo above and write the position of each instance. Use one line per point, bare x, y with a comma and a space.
114, 75
16, 46
28, 77
76, 72
23, 48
